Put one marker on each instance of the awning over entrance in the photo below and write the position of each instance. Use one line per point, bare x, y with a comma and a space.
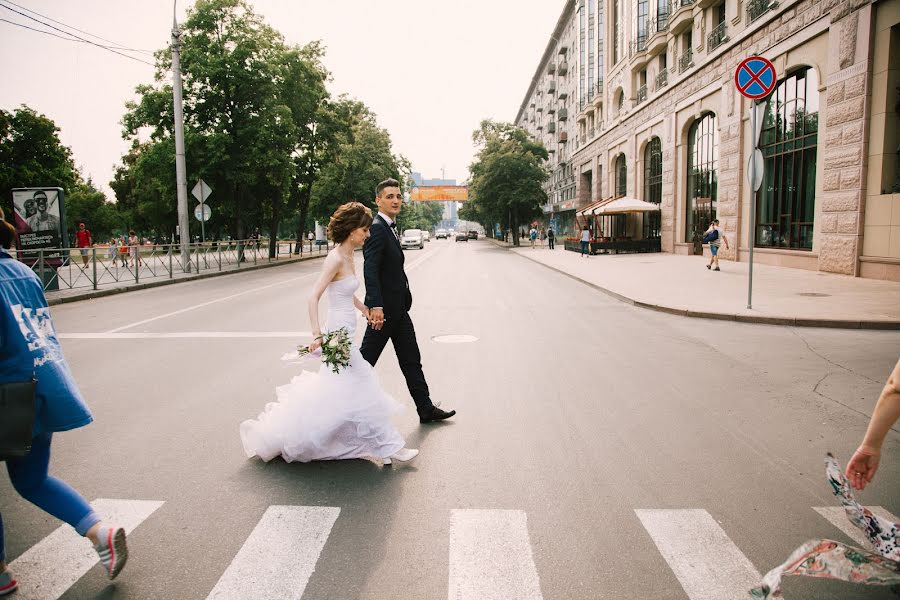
625, 205
593, 206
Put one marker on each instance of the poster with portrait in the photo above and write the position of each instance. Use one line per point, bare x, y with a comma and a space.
40, 221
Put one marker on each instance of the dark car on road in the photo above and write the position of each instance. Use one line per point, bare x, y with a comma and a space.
462, 236
473, 235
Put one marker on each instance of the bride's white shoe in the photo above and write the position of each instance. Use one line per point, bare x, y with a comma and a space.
403, 455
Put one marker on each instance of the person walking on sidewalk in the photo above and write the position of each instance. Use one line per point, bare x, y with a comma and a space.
31, 350
83, 241
715, 237
551, 237
585, 240
543, 236
532, 235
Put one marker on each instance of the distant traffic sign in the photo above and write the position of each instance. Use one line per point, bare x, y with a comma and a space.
202, 212
201, 191
755, 77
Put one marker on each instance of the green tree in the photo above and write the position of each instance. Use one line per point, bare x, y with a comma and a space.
362, 159
507, 177
86, 204
31, 154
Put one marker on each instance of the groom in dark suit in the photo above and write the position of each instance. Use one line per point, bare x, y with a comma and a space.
389, 300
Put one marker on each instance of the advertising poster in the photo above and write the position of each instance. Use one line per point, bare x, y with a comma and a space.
39, 217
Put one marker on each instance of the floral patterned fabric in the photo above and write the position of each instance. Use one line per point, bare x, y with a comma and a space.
833, 560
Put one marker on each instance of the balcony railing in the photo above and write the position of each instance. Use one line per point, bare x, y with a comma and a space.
551, 110
551, 89
581, 104
686, 61
563, 68
642, 93
551, 127
599, 86
563, 114
662, 80
662, 19
563, 137
551, 68
757, 8
717, 36
638, 45
686, 2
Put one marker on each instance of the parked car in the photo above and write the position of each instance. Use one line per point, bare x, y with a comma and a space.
462, 236
412, 238
473, 235
441, 234
426, 235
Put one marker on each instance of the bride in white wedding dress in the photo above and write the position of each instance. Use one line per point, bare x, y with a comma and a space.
327, 415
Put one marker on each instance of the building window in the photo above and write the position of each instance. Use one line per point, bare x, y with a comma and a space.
653, 187
581, 63
617, 37
703, 149
642, 15
601, 40
621, 175
785, 204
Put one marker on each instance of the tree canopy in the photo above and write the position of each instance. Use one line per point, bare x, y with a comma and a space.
507, 177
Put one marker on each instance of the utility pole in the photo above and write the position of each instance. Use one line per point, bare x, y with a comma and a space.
180, 171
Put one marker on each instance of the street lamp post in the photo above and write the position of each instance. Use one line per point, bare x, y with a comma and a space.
180, 171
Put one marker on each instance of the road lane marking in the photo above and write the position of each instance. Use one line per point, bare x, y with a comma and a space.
185, 335
280, 555
210, 302
46, 570
490, 556
706, 562
837, 516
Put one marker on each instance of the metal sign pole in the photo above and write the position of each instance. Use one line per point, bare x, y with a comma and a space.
202, 212
752, 200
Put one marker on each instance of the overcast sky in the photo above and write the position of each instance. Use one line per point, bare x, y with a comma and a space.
430, 70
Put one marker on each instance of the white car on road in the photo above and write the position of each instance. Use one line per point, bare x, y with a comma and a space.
412, 238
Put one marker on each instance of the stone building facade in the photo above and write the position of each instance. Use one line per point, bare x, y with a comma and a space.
653, 113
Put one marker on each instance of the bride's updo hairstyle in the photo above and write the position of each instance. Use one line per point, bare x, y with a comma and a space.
347, 218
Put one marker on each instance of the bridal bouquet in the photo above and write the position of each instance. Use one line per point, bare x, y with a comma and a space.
335, 349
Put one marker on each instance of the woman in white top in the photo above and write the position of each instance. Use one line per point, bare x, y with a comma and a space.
585, 240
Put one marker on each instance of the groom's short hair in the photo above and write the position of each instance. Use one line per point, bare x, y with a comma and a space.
386, 184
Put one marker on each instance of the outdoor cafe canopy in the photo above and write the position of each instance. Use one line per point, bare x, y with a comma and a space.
625, 205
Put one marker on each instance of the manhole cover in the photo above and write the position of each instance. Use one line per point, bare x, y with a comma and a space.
813, 295
454, 339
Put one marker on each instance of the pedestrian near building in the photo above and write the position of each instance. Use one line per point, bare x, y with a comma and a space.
585, 240
715, 237
83, 241
532, 235
543, 236
31, 351
551, 238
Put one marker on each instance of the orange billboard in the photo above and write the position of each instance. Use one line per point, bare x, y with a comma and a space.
444, 193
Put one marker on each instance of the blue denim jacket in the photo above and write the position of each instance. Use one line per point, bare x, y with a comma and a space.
29, 348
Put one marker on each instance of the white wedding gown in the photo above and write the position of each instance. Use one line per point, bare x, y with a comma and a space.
327, 415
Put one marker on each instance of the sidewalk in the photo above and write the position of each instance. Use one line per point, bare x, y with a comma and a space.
110, 288
682, 285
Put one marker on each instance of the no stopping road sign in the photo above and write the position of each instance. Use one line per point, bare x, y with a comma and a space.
755, 77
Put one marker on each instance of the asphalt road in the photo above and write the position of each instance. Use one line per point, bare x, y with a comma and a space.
600, 450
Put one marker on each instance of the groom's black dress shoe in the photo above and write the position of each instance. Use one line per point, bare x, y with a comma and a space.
436, 414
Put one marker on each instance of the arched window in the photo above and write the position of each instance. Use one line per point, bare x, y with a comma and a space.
653, 186
621, 174
703, 152
785, 204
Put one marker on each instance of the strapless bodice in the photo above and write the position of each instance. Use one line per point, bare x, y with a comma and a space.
341, 311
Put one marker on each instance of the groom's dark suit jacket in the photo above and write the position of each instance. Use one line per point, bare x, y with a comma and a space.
386, 282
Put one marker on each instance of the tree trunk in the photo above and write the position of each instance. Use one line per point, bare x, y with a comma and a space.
273, 235
305, 197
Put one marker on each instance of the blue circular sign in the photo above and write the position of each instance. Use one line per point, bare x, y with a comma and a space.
755, 77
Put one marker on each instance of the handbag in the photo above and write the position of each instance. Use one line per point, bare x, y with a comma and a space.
17, 408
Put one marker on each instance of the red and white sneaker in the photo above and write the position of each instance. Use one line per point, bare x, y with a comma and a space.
112, 549
7, 584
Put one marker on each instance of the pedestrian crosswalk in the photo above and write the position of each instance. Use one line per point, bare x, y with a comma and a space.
489, 553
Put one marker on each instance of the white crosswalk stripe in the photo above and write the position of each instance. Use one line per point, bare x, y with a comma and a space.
49, 568
490, 556
280, 555
837, 516
706, 562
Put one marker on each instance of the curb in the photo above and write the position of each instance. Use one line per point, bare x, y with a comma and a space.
753, 319
91, 294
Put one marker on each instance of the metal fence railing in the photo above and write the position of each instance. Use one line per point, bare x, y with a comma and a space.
112, 266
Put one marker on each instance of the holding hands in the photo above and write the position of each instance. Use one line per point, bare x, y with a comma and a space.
376, 318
